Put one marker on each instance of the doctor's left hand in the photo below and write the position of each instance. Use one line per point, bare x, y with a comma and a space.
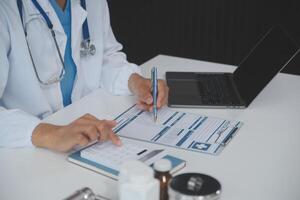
142, 88
80, 132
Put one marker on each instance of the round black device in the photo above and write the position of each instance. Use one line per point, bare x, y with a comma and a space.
194, 186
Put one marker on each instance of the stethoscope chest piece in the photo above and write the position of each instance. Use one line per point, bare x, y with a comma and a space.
87, 49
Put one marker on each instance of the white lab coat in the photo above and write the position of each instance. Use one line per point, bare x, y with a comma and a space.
23, 100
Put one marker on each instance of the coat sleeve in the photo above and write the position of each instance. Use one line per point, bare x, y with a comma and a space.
16, 126
116, 68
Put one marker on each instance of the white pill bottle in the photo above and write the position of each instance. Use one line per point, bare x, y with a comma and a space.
137, 182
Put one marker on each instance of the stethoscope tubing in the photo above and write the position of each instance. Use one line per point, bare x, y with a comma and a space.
88, 49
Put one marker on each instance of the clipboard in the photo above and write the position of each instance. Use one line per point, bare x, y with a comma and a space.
188, 131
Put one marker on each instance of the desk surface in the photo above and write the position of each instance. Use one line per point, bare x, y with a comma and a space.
261, 162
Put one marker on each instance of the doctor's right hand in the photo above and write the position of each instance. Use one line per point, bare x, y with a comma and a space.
80, 132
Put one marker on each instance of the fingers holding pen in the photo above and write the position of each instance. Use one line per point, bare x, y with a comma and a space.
163, 92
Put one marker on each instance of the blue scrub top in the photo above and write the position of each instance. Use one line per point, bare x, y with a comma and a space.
67, 82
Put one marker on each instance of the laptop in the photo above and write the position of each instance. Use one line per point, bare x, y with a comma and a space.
234, 90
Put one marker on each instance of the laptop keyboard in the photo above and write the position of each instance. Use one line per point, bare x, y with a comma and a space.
216, 89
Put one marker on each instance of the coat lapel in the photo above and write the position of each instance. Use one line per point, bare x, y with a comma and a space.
78, 17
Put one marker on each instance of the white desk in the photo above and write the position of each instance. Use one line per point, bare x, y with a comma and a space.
261, 162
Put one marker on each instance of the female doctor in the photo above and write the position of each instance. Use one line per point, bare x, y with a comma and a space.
52, 53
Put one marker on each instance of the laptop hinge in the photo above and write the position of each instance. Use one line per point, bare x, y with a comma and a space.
240, 99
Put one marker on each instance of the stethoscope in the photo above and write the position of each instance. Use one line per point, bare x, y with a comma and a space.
86, 47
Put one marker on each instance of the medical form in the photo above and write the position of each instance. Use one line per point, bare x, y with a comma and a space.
177, 129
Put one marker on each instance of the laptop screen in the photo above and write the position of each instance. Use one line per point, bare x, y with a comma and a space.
267, 58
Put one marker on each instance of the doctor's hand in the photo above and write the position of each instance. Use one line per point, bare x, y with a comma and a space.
142, 88
80, 132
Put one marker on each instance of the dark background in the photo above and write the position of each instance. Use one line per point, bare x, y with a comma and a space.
214, 30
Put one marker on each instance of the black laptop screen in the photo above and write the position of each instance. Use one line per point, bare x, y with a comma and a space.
268, 57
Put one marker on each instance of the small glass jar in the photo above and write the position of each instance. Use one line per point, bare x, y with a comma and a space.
162, 173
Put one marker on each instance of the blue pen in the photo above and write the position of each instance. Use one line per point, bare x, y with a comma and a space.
154, 91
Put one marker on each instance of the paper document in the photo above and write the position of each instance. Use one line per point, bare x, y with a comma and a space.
177, 129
